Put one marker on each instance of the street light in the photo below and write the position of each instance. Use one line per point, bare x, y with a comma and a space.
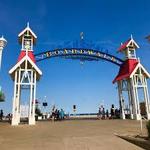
3, 43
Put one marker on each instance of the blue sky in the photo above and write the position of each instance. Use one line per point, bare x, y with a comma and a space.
66, 82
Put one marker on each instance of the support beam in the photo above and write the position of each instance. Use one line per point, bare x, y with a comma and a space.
146, 98
122, 114
130, 99
14, 109
32, 103
136, 110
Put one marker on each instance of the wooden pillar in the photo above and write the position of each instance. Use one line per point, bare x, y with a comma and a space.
15, 108
146, 98
34, 94
130, 99
18, 93
31, 111
122, 114
135, 101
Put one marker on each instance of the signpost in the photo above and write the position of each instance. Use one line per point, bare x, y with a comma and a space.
74, 110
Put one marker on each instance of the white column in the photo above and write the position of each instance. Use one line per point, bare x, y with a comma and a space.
14, 109
146, 98
136, 111
130, 99
18, 96
34, 96
31, 117
137, 100
122, 114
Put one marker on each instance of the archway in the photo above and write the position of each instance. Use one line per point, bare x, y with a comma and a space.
132, 75
79, 53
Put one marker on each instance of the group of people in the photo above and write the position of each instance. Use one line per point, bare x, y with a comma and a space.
60, 114
102, 114
114, 113
57, 114
4, 118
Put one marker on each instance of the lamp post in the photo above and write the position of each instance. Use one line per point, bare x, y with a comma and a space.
3, 43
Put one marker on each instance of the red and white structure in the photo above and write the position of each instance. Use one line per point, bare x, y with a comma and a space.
25, 74
131, 78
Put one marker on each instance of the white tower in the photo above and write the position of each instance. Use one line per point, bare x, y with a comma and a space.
25, 74
132, 76
3, 43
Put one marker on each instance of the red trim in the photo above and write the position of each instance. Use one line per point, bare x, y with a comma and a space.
126, 69
30, 54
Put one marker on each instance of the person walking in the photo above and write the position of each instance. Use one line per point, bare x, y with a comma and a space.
100, 112
62, 114
112, 111
1, 115
103, 113
107, 114
53, 114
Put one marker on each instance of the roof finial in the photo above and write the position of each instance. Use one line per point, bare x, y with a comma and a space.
131, 37
28, 24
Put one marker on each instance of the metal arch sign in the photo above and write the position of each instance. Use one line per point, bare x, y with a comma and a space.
79, 53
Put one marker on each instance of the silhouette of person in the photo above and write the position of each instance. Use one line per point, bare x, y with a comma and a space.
1, 114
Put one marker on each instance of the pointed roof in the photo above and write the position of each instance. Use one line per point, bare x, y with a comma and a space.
30, 54
128, 68
21, 61
25, 30
127, 44
145, 72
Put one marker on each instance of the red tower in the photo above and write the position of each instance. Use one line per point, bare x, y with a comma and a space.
131, 78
